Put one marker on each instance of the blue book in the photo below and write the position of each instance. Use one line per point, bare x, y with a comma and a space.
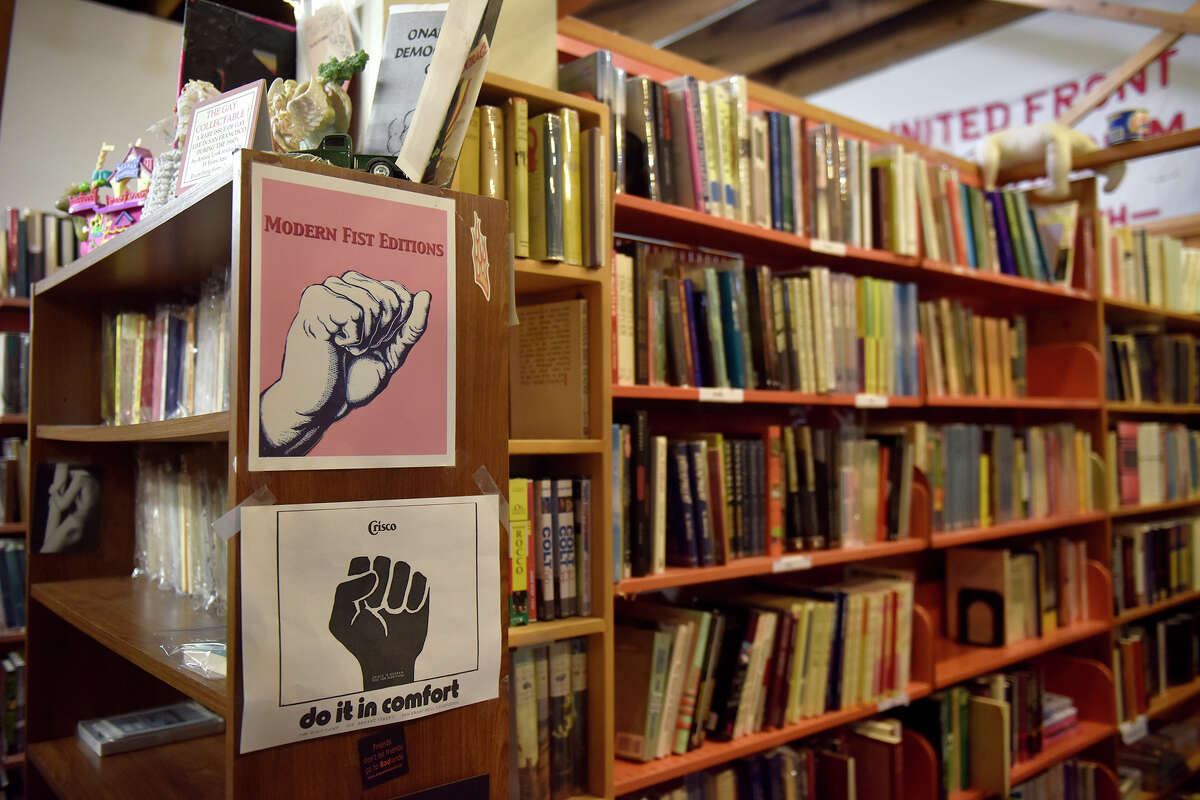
775, 167
698, 473
1004, 242
619, 465
682, 548
1043, 264
909, 385
732, 331
689, 311
964, 195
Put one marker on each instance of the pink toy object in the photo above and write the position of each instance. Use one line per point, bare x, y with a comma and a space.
112, 201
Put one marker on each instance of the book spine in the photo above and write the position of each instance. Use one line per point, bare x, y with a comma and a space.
492, 181
583, 545
525, 709
547, 603
571, 186
561, 758
541, 666
518, 515
516, 140
578, 717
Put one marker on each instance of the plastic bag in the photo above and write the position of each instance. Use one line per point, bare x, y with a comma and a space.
201, 650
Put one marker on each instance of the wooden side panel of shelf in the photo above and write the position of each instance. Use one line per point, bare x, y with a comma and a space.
921, 767
440, 747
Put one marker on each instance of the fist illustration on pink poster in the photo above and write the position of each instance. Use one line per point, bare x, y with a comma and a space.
350, 336
352, 330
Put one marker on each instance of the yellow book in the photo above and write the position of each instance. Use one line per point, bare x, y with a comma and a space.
952, 343
1081, 472
491, 152
571, 202
135, 388
466, 174
594, 185
516, 140
726, 142
519, 524
860, 309
985, 511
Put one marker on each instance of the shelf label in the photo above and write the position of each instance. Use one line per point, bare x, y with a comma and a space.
895, 701
827, 247
722, 394
792, 563
1134, 730
870, 400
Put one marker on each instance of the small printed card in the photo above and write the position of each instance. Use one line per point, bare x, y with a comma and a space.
220, 127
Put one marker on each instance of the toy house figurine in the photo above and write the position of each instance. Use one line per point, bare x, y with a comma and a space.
113, 200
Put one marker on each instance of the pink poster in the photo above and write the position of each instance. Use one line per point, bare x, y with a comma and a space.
352, 324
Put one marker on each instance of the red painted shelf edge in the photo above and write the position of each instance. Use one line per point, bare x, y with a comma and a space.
1087, 734
630, 777
1137, 612
1011, 654
942, 539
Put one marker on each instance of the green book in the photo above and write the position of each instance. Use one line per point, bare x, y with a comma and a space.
716, 332
786, 178
1016, 235
983, 258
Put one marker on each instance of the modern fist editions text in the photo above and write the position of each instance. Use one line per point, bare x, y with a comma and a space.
347, 235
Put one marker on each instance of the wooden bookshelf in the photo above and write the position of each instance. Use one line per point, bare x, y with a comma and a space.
12, 636
14, 420
766, 565
127, 616
1107, 156
554, 447
690, 394
1193, 766
1005, 530
1172, 698
1132, 312
1016, 403
200, 428
1138, 612
1084, 735
1155, 508
1153, 409
14, 303
630, 777
958, 662
533, 277
194, 769
13, 528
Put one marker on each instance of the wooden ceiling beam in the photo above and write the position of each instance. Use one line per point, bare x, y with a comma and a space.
920, 31
166, 8
1119, 12
651, 21
772, 31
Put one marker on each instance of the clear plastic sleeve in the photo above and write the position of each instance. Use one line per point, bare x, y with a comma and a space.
853, 482
201, 650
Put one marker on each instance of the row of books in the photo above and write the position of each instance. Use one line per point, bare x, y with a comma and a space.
979, 729
696, 144
691, 318
1069, 780
969, 354
551, 173
1152, 366
863, 760
1142, 267
14, 478
12, 584
1154, 561
985, 474
36, 244
1151, 656
997, 597
1153, 462
13, 675
731, 666
551, 520
14, 372
1159, 760
177, 498
171, 363
549, 721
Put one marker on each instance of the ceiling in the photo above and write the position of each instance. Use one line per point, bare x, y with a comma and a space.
798, 46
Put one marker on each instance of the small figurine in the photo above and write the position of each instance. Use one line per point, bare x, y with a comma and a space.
303, 113
162, 184
112, 200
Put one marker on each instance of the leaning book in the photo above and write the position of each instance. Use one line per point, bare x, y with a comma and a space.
148, 728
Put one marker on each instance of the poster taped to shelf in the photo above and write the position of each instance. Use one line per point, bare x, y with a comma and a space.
356, 615
66, 507
219, 128
352, 324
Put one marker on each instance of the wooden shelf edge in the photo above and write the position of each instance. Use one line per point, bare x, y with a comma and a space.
1052, 403
749, 396
554, 630
765, 565
1138, 612
538, 276
194, 768
948, 673
1193, 766
14, 303
1152, 408
1085, 735
12, 636
199, 428
13, 761
943, 539
552, 447
1108, 155
1002, 279
1171, 505
631, 777
1172, 698
1147, 310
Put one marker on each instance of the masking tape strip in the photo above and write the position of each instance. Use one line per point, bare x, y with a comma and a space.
487, 485
230, 522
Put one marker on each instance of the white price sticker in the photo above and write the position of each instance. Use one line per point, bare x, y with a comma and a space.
719, 394
895, 701
791, 563
870, 401
827, 247
1134, 730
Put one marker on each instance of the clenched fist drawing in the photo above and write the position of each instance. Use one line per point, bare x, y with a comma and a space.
382, 624
348, 338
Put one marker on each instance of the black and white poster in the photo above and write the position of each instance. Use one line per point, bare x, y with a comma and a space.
363, 614
66, 507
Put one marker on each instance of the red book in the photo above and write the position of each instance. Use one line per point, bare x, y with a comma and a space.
1139, 673
531, 589
1127, 462
774, 443
953, 196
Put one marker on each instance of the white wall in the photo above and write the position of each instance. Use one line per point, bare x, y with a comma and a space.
942, 97
79, 73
